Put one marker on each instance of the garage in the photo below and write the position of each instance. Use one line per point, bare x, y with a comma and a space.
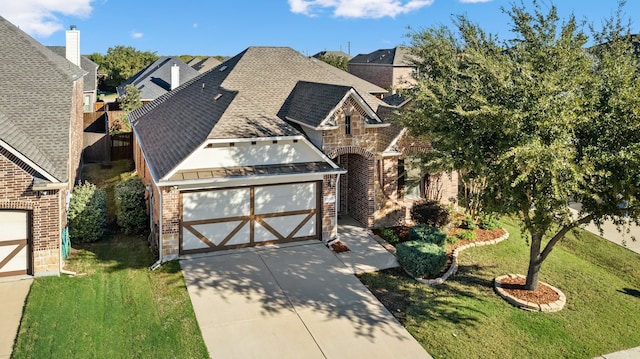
237, 217
14, 243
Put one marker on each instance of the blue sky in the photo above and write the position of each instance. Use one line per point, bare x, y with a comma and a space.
218, 27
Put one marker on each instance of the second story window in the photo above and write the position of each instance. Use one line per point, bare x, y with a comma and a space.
347, 125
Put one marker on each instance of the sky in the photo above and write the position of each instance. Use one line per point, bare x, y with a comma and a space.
225, 28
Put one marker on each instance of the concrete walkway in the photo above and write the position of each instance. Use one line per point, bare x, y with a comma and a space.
12, 296
295, 301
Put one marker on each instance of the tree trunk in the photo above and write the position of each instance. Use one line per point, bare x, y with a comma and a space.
534, 263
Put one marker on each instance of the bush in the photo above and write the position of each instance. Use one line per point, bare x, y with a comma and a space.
423, 232
467, 235
131, 210
452, 239
489, 222
421, 259
87, 213
390, 236
430, 212
468, 223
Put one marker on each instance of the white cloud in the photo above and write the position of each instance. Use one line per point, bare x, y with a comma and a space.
474, 1
358, 8
39, 17
195, 25
136, 35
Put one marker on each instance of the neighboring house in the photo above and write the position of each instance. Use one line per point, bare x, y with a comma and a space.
41, 100
203, 65
162, 76
267, 148
388, 68
71, 51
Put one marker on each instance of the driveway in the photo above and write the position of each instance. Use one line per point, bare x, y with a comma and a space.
296, 301
628, 236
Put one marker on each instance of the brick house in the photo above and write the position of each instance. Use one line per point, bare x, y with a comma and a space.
391, 69
268, 147
41, 109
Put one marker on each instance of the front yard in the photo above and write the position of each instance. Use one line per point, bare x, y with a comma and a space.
464, 318
115, 307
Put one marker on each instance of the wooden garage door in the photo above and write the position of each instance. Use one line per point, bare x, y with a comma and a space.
14, 242
249, 216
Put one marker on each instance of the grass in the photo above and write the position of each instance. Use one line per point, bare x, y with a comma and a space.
116, 307
464, 318
107, 176
120, 309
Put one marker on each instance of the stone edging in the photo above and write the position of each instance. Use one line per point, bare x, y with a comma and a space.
534, 307
454, 261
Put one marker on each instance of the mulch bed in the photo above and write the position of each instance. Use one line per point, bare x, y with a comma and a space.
339, 247
515, 287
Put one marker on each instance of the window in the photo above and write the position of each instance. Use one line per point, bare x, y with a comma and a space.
87, 103
347, 125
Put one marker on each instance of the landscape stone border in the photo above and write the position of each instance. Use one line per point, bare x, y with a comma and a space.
534, 307
454, 261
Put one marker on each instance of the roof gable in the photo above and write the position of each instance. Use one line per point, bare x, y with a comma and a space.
397, 56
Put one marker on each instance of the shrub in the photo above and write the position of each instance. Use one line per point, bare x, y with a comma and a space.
423, 232
131, 211
489, 222
452, 239
87, 213
467, 235
468, 223
390, 236
430, 212
421, 259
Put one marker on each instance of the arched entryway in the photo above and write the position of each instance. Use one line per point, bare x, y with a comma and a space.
356, 191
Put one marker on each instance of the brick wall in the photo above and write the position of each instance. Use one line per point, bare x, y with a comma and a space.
46, 213
170, 223
153, 198
76, 133
329, 223
381, 75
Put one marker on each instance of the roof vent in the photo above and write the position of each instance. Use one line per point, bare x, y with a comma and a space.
222, 68
217, 97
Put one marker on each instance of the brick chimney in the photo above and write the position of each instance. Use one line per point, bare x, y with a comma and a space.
73, 45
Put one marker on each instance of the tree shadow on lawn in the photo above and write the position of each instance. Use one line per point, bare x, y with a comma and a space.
630, 291
112, 253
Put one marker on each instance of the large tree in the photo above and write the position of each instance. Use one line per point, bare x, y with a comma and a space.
542, 120
122, 62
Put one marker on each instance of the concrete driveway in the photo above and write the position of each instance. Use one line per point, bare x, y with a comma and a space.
296, 301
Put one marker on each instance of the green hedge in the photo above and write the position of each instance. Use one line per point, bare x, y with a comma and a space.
421, 259
390, 236
423, 232
430, 212
131, 210
87, 213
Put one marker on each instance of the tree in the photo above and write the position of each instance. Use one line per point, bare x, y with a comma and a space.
540, 120
335, 61
131, 100
122, 62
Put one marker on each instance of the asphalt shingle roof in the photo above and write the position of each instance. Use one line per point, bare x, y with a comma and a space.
204, 65
397, 56
90, 80
241, 98
155, 79
311, 102
36, 91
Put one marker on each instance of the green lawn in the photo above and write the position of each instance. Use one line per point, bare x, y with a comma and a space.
120, 309
116, 307
464, 318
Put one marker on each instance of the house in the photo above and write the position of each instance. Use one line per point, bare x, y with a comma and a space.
162, 76
71, 51
203, 65
269, 147
41, 110
388, 68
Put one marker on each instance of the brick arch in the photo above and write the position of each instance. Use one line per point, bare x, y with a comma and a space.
351, 150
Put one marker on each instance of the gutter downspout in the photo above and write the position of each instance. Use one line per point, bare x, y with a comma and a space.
157, 264
332, 241
67, 200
